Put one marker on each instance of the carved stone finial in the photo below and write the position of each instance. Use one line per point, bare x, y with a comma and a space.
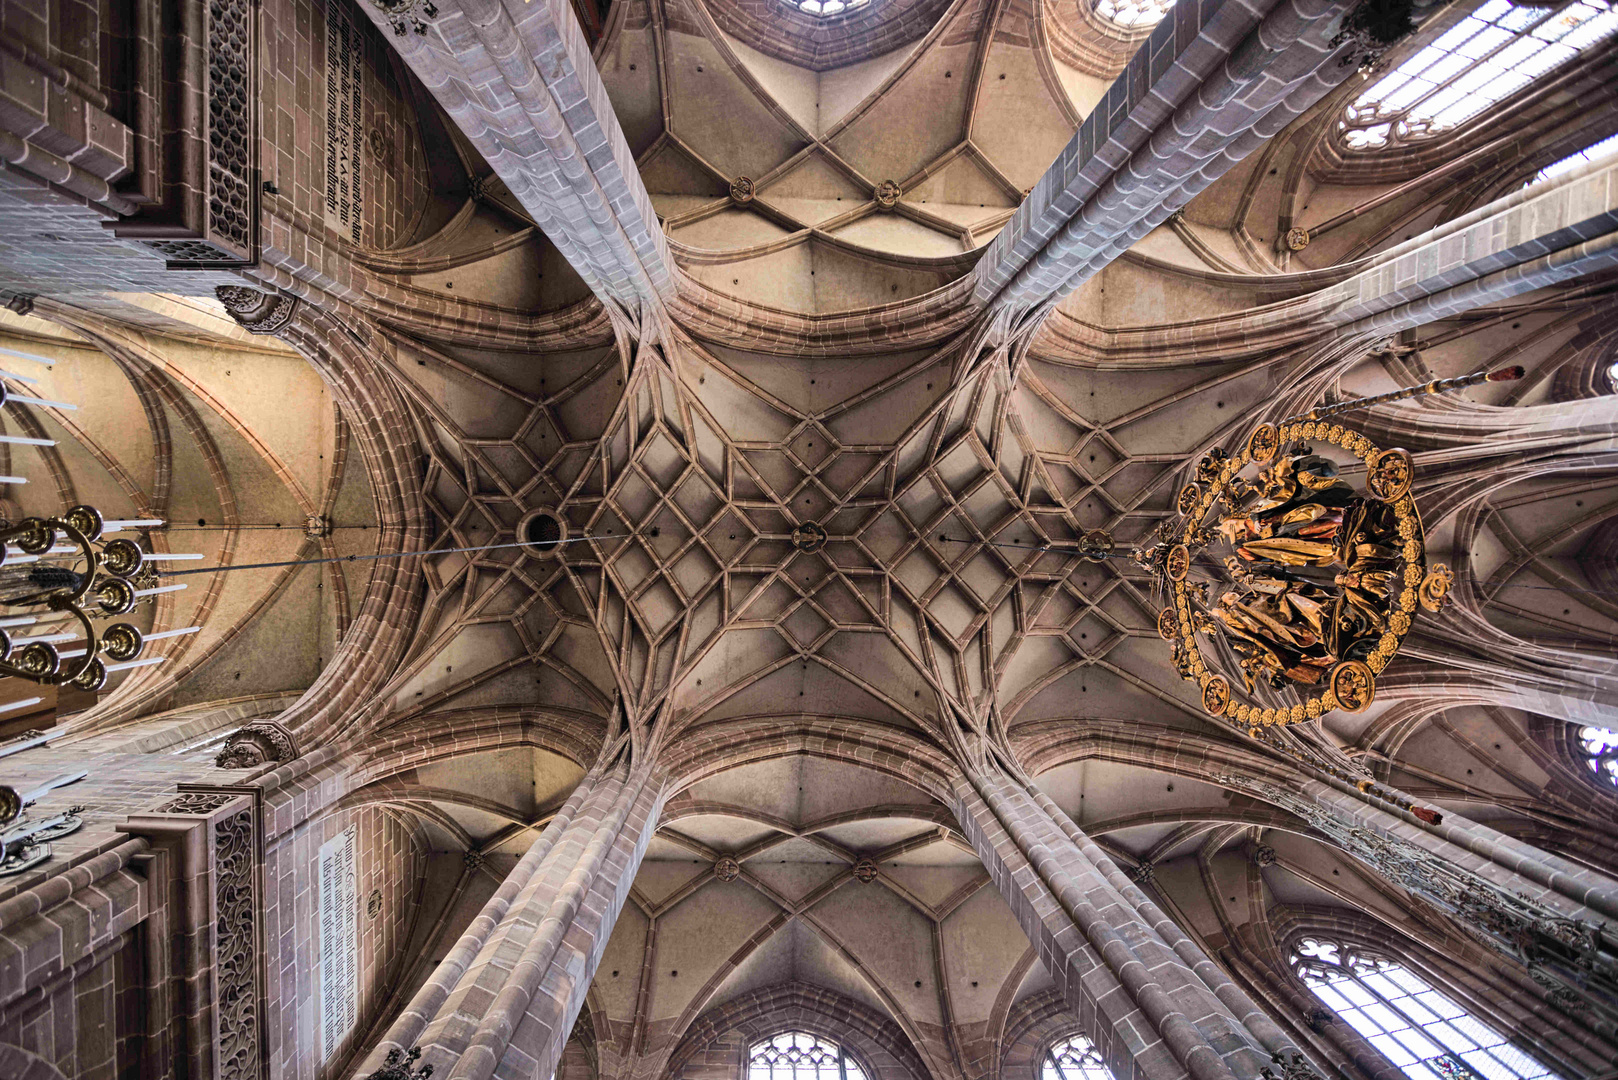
406, 16
887, 194
401, 1066
865, 870
256, 744
741, 190
727, 869
257, 312
1374, 26
1294, 1067
1264, 855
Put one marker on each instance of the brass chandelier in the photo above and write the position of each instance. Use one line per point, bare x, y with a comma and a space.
54, 566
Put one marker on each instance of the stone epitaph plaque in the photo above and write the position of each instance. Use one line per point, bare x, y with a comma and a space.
339, 941
345, 122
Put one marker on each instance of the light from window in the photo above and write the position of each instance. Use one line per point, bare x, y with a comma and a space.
1489, 55
1599, 742
1074, 1058
1133, 14
825, 9
798, 1055
1606, 146
1421, 1031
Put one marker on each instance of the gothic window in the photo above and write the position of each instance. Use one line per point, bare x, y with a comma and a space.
1074, 1058
1480, 61
798, 1055
825, 9
1601, 744
1133, 14
1421, 1031
1606, 146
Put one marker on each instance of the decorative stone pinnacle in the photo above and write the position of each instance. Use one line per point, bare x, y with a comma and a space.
401, 1066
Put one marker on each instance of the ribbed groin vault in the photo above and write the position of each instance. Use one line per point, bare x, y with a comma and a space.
639, 456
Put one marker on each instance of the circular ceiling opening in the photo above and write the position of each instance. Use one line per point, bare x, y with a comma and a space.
541, 532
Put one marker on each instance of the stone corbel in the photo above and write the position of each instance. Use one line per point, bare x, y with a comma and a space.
258, 743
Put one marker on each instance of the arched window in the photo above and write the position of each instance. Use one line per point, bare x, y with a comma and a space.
1480, 61
1074, 1058
825, 9
1418, 1029
798, 1055
1602, 149
1601, 744
1133, 14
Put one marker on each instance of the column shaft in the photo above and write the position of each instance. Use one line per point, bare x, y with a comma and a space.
1156, 1010
504, 1000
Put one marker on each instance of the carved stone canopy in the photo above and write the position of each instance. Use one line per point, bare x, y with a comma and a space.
256, 744
258, 312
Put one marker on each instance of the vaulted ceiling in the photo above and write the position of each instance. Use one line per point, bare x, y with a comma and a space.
682, 473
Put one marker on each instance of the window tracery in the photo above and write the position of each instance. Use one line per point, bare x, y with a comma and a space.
1420, 1030
798, 1055
1480, 61
1074, 1058
1601, 744
1133, 14
825, 9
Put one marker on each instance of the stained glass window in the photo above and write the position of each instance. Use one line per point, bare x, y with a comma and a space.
797, 1055
1424, 1033
1133, 14
1074, 1058
1481, 60
825, 9
1601, 744
1604, 148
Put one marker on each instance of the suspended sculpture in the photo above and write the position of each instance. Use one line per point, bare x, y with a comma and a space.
1293, 577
